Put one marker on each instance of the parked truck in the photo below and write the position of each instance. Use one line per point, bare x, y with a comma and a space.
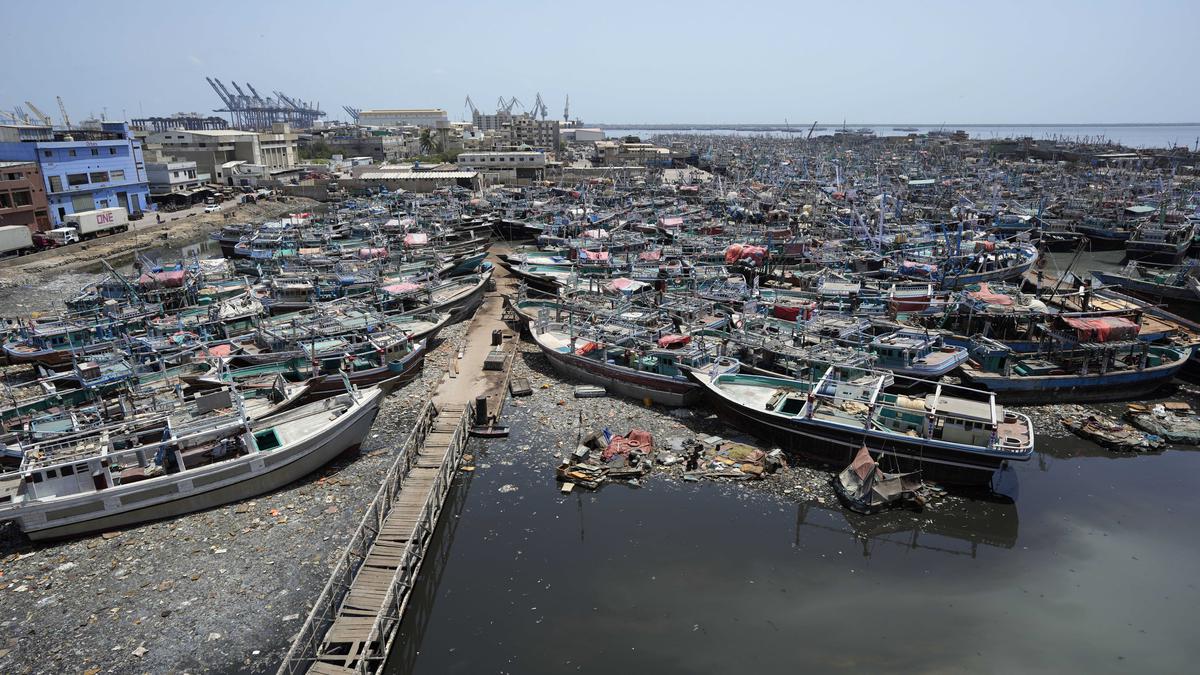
15, 240
99, 223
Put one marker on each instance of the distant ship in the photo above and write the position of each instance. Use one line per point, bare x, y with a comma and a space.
905, 129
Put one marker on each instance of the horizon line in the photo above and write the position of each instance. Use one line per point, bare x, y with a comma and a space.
884, 124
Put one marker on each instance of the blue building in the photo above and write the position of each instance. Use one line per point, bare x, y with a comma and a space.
84, 169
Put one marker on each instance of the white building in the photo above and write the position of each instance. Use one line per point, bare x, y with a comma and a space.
210, 149
502, 160
177, 177
414, 117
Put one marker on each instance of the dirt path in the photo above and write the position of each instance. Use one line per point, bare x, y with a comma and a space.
147, 234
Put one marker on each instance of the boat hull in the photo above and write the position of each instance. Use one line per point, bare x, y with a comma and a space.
660, 389
837, 446
277, 469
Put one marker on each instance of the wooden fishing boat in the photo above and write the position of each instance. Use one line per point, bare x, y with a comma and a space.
949, 438
87, 485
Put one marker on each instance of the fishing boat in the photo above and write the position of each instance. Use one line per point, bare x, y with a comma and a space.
629, 363
1160, 241
1078, 358
949, 438
915, 354
68, 487
1175, 283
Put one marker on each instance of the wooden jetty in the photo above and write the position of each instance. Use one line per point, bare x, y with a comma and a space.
354, 622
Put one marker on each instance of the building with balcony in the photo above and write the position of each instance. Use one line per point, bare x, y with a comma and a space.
82, 169
23, 196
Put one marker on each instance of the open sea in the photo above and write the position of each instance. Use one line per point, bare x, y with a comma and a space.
1132, 135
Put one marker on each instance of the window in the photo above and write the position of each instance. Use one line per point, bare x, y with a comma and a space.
5, 201
14, 176
68, 471
112, 151
74, 179
119, 174
99, 176
95, 152
56, 183
22, 198
46, 153
71, 152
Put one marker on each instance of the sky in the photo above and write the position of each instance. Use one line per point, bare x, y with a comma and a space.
1009, 62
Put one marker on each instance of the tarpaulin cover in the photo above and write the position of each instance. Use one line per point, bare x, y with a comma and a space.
650, 255
919, 268
1102, 328
219, 350
368, 253
416, 239
785, 312
585, 254
595, 234
637, 439
587, 348
673, 341
673, 221
402, 287
863, 463
625, 285
985, 294
737, 252
163, 279
310, 250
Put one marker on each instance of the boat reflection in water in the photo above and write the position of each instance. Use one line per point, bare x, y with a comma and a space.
954, 529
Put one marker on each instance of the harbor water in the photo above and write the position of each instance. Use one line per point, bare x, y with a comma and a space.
1081, 563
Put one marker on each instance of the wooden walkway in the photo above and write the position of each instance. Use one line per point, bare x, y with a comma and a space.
353, 623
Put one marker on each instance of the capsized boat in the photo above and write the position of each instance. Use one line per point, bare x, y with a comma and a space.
864, 487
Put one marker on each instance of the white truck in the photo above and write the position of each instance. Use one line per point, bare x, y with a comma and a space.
15, 240
98, 223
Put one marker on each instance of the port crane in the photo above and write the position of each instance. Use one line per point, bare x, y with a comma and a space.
62, 109
45, 119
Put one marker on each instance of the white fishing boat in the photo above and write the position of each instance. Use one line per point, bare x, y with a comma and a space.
213, 455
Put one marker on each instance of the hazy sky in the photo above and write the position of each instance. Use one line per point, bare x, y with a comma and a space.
648, 61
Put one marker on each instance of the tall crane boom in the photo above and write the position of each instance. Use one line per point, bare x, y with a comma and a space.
45, 119
63, 110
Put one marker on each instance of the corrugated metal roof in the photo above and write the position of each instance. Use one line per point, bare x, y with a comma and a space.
417, 175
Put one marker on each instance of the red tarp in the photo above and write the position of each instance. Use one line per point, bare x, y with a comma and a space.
368, 253
985, 294
737, 252
587, 348
673, 221
163, 279
673, 341
637, 439
785, 312
595, 234
416, 239
1102, 328
585, 254
650, 255
863, 463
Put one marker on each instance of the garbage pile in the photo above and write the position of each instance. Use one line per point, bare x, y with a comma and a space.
1112, 434
603, 457
1174, 421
